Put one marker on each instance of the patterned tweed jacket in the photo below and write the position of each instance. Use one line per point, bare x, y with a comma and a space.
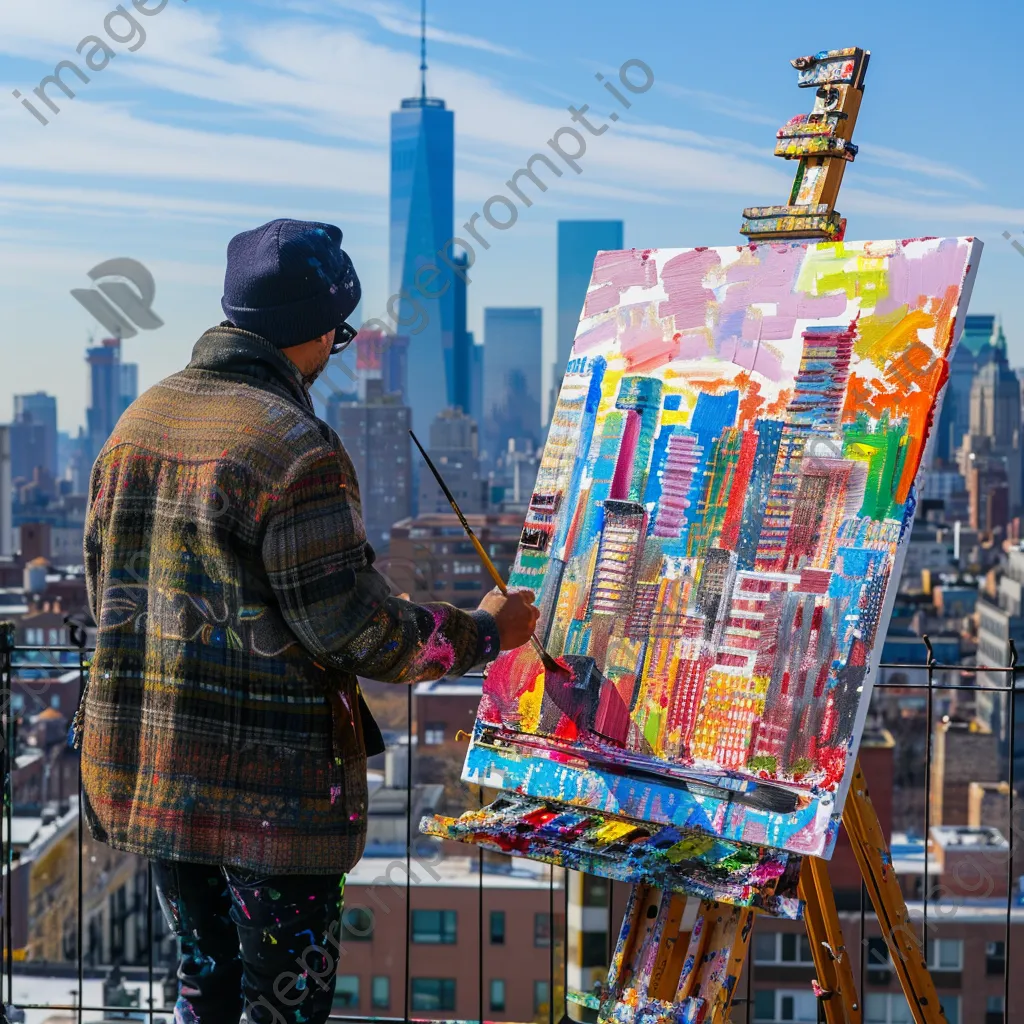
236, 601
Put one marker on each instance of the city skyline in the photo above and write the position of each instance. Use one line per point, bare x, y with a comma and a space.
302, 101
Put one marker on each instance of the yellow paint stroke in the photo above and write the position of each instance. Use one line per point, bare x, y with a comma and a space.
882, 338
829, 269
612, 831
690, 848
529, 703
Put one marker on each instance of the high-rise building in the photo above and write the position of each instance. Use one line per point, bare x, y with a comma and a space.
981, 341
455, 451
6, 495
375, 433
34, 435
113, 386
990, 455
463, 346
421, 223
579, 241
382, 357
512, 374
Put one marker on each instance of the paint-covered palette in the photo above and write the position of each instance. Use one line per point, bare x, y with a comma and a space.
676, 860
717, 532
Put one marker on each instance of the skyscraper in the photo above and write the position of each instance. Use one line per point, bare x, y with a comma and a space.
6, 495
990, 455
512, 372
113, 386
982, 340
578, 242
382, 357
375, 433
454, 450
421, 223
34, 435
463, 347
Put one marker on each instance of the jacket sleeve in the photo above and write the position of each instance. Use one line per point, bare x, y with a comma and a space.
320, 568
93, 545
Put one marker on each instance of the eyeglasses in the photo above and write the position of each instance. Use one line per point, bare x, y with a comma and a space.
343, 335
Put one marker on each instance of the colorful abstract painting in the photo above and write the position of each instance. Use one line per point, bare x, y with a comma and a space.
716, 532
674, 859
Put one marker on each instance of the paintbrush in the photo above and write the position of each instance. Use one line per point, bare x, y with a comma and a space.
549, 662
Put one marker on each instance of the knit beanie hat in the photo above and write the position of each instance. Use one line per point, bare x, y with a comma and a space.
289, 281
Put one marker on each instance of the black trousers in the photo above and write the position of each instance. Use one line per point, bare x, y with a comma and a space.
266, 945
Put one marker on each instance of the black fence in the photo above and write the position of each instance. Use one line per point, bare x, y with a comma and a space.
929, 689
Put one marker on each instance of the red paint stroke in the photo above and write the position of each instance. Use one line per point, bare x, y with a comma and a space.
738, 490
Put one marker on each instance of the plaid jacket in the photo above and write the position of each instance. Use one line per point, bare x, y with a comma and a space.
235, 599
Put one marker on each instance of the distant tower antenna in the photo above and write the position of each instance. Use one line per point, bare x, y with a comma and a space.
423, 49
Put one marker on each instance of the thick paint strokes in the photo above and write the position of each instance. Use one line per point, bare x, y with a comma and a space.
727, 483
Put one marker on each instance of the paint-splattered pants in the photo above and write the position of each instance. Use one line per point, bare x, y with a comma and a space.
265, 945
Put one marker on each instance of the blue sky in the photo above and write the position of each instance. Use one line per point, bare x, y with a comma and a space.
236, 111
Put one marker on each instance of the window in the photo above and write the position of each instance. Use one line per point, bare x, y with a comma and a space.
786, 1004
357, 924
782, 948
879, 966
995, 957
436, 926
542, 929
595, 949
497, 994
17, 703
433, 733
433, 994
497, 927
951, 1008
764, 1004
467, 585
945, 954
55, 701
595, 891
346, 991
887, 1008
380, 992
540, 997
994, 1009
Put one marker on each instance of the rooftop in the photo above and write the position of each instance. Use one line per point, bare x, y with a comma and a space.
453, 873
468, 686
963, 836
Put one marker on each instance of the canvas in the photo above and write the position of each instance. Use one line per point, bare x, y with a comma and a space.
716, 532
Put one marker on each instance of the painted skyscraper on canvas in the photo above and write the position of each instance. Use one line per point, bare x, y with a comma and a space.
717, 529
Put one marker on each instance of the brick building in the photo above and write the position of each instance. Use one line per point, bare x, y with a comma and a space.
449, 917
432, 559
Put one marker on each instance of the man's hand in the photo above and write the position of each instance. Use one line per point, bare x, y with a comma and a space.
516, 616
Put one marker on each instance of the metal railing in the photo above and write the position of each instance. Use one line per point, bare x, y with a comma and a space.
927, 679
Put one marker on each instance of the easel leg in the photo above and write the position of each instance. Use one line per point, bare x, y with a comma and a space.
873, 857
831, 959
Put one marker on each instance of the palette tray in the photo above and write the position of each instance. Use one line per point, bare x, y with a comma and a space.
674, 859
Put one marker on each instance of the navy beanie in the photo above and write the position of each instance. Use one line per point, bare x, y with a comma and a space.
289, 281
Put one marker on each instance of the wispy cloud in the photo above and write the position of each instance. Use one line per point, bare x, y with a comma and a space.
941, 216
403, 22
108, 204
717, 103
914, 163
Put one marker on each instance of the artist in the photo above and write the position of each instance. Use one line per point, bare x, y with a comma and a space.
223, 732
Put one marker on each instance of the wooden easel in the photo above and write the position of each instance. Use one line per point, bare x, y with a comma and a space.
680, 961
